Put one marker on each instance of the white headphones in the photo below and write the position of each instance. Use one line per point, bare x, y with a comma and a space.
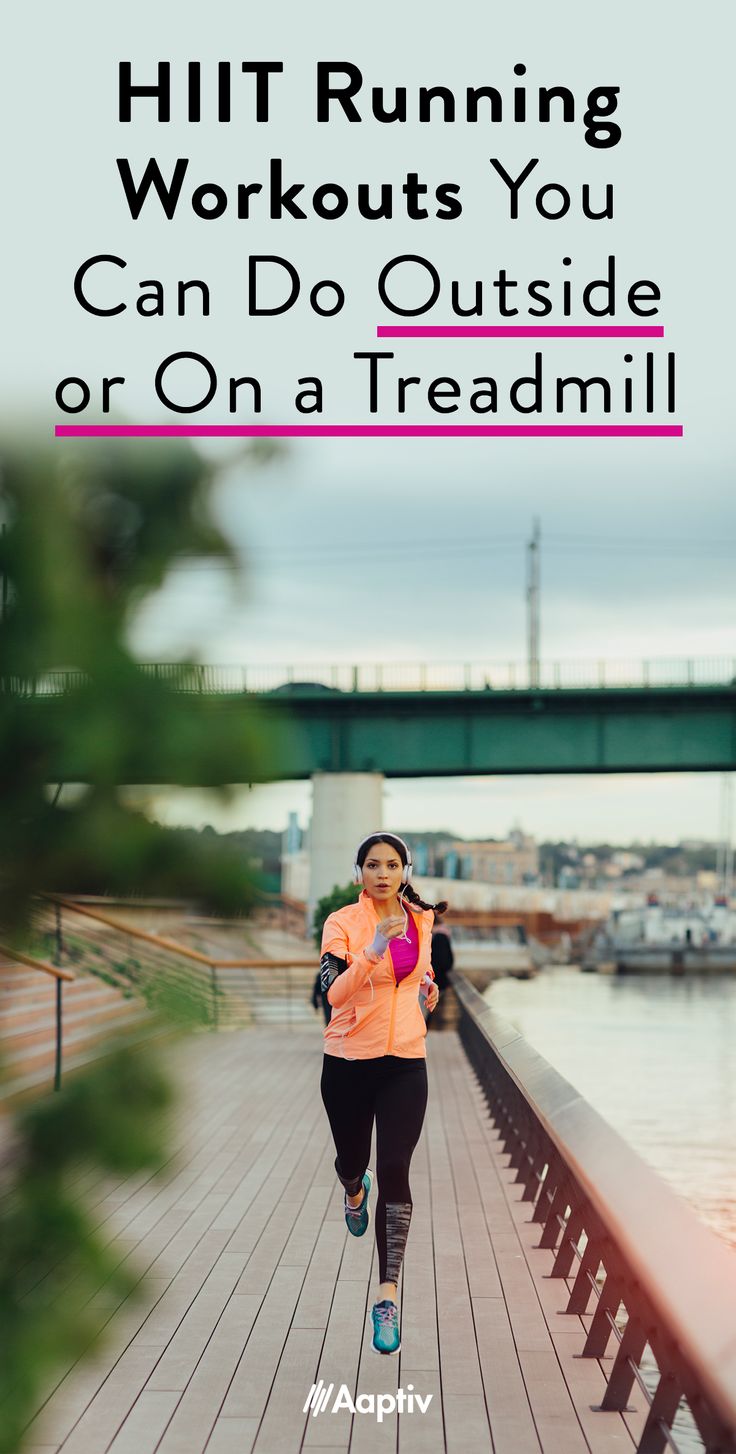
407, 869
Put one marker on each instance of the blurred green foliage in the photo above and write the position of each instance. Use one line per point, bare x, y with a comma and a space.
52, 1262
336, 899
89, 532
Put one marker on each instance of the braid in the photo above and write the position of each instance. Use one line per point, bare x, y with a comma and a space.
411, 894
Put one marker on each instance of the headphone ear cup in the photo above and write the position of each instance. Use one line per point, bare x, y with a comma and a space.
357, 874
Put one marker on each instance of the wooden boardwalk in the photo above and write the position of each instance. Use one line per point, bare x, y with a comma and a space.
256, 1291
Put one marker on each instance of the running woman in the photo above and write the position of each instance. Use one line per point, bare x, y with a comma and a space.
375, 960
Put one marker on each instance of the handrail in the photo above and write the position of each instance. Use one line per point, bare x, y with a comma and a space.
239, 991
675, 1278
267, 963
123, 928
55, 970
174, 946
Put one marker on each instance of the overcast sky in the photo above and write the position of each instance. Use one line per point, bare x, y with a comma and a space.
404, 550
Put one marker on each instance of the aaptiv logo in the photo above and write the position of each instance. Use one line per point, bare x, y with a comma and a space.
379, 1404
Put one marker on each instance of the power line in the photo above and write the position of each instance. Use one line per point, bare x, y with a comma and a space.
634, 547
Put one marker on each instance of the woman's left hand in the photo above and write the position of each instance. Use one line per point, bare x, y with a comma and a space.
433, 995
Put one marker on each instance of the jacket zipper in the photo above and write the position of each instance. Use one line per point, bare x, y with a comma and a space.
391, 1021
396, 990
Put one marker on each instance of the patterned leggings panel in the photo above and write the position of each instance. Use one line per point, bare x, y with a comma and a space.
391, 1091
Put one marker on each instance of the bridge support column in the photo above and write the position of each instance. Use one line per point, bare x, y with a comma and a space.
346, 806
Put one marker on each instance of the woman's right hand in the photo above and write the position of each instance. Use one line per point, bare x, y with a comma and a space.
392, 927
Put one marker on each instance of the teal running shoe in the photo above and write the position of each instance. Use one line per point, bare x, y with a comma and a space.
357, 1218
385, 1317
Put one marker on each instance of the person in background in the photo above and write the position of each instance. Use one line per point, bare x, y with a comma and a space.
442, 959
319, 997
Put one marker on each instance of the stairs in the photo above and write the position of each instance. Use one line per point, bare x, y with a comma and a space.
91, 1012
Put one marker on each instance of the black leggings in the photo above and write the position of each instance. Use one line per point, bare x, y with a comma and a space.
394, 1091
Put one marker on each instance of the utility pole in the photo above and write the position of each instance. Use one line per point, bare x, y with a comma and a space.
724, 861
532, 602
4, 599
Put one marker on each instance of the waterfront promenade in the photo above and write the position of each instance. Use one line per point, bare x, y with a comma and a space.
256, 1291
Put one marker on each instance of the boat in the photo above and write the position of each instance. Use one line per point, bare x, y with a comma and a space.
662, 938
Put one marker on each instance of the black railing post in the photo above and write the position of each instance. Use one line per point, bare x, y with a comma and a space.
556, 1208
215, 996
585, 1278
59, 936
604, 1316
57, 1063
661, 1415
58, 955
567, 1250
625, 1364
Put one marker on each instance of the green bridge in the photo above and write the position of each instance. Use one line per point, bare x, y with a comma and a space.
433, 721
536, 731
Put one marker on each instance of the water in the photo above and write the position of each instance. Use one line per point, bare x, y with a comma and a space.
657, 1057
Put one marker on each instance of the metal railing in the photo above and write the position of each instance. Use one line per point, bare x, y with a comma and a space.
621, 1234
59, 975
225, 991
407, 676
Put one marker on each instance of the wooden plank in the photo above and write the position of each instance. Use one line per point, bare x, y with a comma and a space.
233, 1436
284, 1422
177, 1365
605, 1431
265, 1231
419, 1334
73, 1393
67, 1400
376, 1375
248, 1393
197, 1411
145, 1424
465, 1412
339, 1360
511, 1418
318, 1289
111, 1403
422, 1432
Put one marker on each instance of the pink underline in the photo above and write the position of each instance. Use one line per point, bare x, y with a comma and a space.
518, 331
365, 431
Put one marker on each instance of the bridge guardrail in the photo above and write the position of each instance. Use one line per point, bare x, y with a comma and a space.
599, 1205
501, 676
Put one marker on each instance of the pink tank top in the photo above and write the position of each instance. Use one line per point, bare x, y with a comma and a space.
404, 955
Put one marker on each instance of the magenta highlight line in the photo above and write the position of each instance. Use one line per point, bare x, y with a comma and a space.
368, 431
561, 330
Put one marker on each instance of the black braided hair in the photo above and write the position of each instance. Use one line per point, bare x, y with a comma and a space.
409, 892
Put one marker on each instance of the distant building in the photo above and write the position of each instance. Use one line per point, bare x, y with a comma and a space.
513, 862
295, 866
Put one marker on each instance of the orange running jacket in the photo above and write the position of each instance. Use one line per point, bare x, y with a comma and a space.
372, 1014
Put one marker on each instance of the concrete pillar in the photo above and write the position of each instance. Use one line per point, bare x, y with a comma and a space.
346, 806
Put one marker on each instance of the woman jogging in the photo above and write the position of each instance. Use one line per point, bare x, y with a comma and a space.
375, 960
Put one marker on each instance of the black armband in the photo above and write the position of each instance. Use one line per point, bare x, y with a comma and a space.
329, 968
